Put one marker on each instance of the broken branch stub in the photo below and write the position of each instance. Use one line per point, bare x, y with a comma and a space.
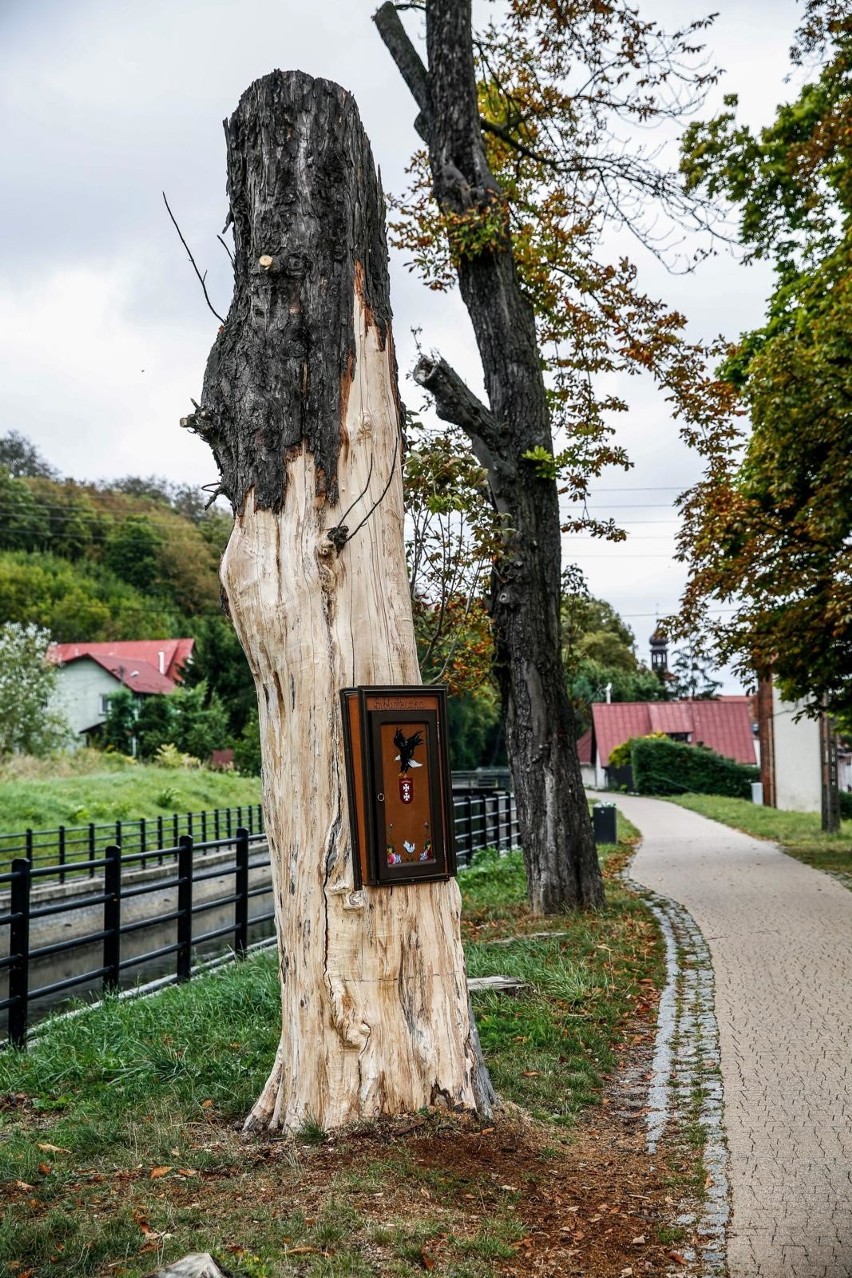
308, 218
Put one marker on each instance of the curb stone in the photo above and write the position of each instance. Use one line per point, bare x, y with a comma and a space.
686, 1069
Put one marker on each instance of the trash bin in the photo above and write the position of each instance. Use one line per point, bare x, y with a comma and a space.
604, 823
757, 792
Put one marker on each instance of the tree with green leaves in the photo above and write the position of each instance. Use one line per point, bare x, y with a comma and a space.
220, 664
119, 731
192, 720
133, 552
31, 718
692, 672
767, 530
20, 457
524, 166
23, 525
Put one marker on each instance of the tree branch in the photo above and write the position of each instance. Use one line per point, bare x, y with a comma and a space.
227, 250
505, 136
456, 403
201, 277
408, 61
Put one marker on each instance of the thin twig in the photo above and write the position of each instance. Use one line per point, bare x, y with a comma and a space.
227, 250
201, 277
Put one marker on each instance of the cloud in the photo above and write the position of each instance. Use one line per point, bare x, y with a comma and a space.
98, 392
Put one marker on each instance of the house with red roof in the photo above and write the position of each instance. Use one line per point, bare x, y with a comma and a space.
90, 673
724, 724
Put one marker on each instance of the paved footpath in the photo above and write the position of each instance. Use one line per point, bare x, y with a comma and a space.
780, 938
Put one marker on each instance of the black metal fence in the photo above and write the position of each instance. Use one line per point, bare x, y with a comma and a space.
114, 890
69, 845
484, 819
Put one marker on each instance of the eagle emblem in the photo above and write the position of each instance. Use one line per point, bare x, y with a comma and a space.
406, 747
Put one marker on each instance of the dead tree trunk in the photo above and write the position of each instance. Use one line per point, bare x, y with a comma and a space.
300, 408
556, 833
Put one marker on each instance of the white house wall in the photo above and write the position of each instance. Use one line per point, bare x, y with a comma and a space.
80, 688
798, 780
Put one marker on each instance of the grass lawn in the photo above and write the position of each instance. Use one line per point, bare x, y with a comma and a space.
121, 1145
798, 833
73, 790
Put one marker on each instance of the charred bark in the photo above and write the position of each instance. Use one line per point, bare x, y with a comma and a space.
562, 865
300, 407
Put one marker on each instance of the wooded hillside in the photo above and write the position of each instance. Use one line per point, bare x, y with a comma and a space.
132, 560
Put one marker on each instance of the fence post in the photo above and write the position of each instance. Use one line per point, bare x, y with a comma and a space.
28, 839
216, 834
469, 822
91, 849
19, 951
241, 898
112, 918
61, 833
143, 840
160, 839
184, 921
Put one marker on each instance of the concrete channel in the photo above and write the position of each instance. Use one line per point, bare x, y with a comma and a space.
160, 900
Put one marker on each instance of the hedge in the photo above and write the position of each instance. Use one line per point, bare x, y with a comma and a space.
672, 767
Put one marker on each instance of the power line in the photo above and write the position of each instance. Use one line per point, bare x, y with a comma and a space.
623, 556
713, 612
630, 537
657, 488
630, 505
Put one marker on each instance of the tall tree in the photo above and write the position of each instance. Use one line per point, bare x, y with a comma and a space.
767, 531
301, 410
520, 172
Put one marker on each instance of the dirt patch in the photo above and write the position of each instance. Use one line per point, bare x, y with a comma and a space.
435, 1194
589, 1202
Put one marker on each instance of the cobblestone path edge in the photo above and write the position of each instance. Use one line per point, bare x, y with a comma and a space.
686, 1082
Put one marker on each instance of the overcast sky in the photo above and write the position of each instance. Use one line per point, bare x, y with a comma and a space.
103, 331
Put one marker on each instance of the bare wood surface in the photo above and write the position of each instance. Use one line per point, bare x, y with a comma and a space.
300, 406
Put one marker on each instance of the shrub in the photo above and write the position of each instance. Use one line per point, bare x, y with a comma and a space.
168, 756
621, 756
671, 767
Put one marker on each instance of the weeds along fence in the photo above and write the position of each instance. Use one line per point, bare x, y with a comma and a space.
77, 927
